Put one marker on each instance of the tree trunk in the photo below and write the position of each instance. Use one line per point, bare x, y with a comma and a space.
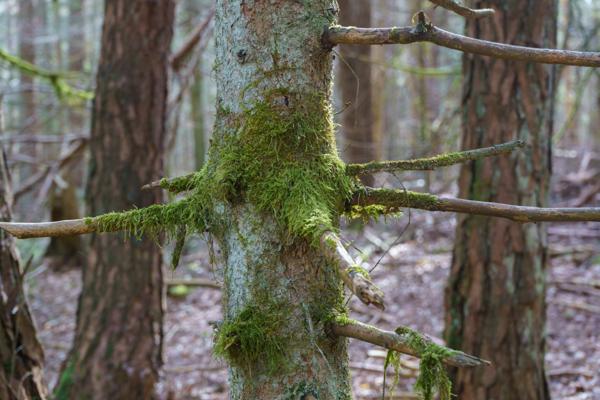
361, 142
273, 90
495, 299
117, 348
67, 251
21, 354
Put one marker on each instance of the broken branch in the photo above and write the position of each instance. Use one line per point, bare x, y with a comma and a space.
354, 277
393, 200
402, 343
174, 185
24, 230
425, 32
431, 163
462, 10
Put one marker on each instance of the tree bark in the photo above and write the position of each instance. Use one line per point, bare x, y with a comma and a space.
355, 78
21, 354
117, 347
270, 55
495, 299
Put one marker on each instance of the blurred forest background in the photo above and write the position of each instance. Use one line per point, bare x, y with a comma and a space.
415, 96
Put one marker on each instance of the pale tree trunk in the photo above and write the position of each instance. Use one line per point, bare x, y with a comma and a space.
496, 293
270, 59
117, 347
361, 140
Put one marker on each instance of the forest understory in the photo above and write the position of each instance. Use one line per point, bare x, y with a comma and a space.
415, 263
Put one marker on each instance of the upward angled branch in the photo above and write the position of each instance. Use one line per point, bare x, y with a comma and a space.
424, 31
462, 10
393, 200
431, 163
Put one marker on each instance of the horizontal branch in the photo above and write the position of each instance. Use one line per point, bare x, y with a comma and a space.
402, 343
24, 230
462, 10
396, 199
431, 163
354, 277
174, 185
425, 32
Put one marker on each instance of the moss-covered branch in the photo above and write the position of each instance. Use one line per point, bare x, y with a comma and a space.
393, 200
462, 10
355, 278
174, 185
431, 163
56, 79
404, 341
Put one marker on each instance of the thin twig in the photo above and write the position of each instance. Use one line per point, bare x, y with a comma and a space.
462, 10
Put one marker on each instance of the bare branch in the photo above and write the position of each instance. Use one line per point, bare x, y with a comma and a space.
399, 342
431, 163
190, 43
425, 32
462, 10
67, 227
353, 276
396, 199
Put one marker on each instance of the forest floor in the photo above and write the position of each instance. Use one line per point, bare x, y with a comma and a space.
412, 274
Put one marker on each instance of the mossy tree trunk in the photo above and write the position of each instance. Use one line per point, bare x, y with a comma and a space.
274, 125
21, 354
117, 347
496, 293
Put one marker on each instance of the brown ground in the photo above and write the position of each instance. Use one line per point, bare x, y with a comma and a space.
412, 274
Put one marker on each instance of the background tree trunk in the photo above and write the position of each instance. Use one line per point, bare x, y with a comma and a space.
495, 299
270, 59
362, 142
64, 204
21, 355
117, 348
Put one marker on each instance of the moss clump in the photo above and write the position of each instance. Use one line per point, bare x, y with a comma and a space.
357, 269
279, 155
252, 338
283, 160
372, 212
432, 373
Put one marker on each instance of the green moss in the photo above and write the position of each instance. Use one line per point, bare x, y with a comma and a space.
283, 160
279, 155
357, 269
253, 338
394, 199
432, 373
372, 212
65, 382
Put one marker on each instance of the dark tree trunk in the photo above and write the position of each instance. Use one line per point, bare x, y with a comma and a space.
117, 348
21, 354
495, 299
361, 142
